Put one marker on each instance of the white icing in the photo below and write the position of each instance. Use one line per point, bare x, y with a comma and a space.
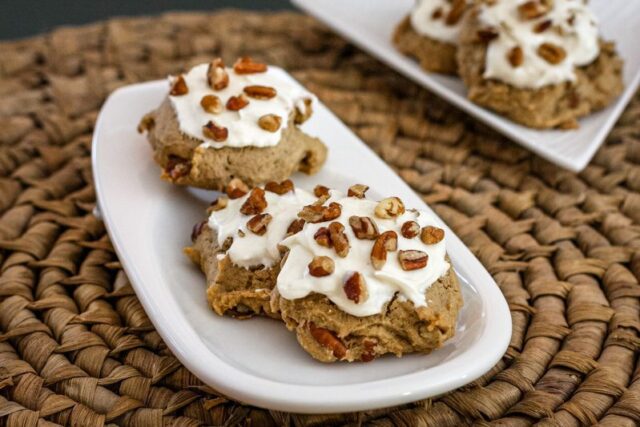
580, 41
242, 125
294, 280
253, 250
424, 23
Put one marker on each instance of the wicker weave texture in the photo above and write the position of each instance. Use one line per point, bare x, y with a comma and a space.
76, 347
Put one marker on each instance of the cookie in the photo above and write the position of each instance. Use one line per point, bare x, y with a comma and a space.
211, 129
548, 70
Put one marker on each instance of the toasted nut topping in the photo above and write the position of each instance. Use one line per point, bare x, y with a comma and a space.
551, 53
236, 103
295, 227
217, 75
410, 229
389, 208
320, 191
437, 14
270, 122
236, 188
363, 227
179, 87
211, 104
321, 266
327, 339
339, 240
246, 65
258, 224
215, 132
412, 259
543, 26
318, 213
369, 352
532, 9
260, 92
355, 288
386, 242
357, 190
197, 229
323, 237
176, 168
279, 188
431, 235
515, 56
302, 116
255, 203
457, 10
487, 34
218, 204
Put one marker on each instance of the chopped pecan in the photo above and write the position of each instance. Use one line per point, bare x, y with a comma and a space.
355, 288
339, 240
431, 235
217, 75
279, 188
236, 188
515, 56
386, 242
302, 116
323, 237
177, 167
532, 9
542, 26
295, 227
258, 224
197, 229
236, 103
255, 203
211, 104
179, 87
321, 266
412, 259
357, 190
320, 191
455, 13
215, 132
410, 229
218, 204
389, 208
552, 53
260, 92
487, 34
270, 122
318, 213
369, 352
246, 65
437, 13
363, 227
326, 338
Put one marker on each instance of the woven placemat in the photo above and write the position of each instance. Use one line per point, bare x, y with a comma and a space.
76, 347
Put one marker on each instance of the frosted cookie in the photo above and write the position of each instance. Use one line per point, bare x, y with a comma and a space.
430, 34
541, 63
362, 279
219, 123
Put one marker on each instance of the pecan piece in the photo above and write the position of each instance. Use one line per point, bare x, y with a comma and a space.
339, 240
218, 204
255, 203
515, 56
431, 235
197, 230
532, 9
236, 188
179, 87
321, 266
320, 191
369, 352
215, 132
410, 229
363, 227
386, 242
326, 338
487, 34
543, 26
211, 104
246, 65
355, 288
357, 190
389, 208
323, 237
237, 103
295, 227
258, 224
437, 14
318, 213
177, 167
302, 116
412, 259
260, 92
270, 122
217, 75
455, 13
279, 188
552, 53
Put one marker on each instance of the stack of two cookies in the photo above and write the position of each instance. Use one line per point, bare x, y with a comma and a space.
354, 278
540, 63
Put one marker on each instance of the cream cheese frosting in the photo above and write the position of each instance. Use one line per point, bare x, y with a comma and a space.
242, 126
429, 18
568, 24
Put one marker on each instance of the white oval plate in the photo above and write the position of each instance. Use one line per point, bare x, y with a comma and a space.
258, 361
370, 24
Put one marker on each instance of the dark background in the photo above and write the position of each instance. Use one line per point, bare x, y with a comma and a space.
23, 18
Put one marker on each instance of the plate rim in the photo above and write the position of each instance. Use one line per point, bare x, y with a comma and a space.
262, 392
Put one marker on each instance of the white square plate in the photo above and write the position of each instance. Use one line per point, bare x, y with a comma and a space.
258, 361
370, 25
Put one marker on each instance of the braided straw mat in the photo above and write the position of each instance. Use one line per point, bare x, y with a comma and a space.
76, 347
